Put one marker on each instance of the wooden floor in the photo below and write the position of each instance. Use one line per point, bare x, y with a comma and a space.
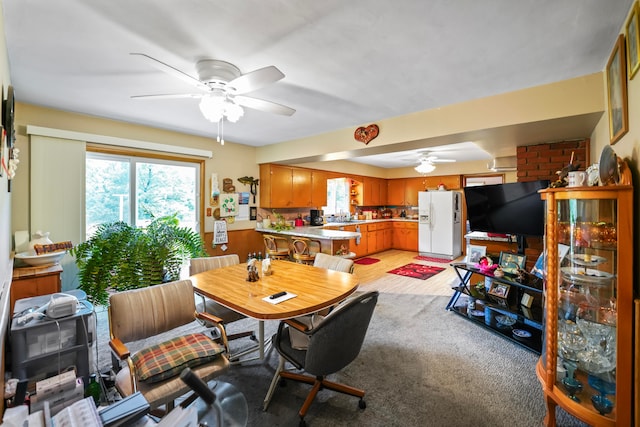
375, 276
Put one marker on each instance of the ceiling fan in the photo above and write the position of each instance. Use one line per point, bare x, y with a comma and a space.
222, 88
426, 162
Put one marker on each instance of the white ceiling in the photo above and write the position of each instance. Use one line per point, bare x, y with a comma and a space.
347, 63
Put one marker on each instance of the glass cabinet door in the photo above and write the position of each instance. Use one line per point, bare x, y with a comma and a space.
587, 300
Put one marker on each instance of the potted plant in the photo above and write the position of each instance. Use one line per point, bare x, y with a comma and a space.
119, 256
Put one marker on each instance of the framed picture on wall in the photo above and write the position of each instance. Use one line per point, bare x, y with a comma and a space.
633, 42
617, 92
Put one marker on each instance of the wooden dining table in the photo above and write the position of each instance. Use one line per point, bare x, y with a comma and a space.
314, 289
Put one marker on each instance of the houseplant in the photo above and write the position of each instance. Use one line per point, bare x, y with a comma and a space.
119, 256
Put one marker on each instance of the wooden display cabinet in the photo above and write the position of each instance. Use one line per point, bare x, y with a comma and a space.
35, 281
588, 355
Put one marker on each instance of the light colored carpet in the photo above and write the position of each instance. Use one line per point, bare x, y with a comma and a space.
420, 366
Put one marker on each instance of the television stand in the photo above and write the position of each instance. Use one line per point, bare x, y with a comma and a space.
494, 311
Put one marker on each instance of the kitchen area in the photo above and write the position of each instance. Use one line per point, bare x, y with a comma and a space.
381, 213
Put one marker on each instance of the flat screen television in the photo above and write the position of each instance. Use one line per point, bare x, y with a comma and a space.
512, 208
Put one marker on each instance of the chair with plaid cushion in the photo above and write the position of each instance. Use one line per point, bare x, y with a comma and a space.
138, 317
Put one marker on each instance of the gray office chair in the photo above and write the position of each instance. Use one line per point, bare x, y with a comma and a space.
333, 344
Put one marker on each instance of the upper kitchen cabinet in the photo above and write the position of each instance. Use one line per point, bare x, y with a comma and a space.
395, 192
319, 188
375, 191
291, 187
404, 191
285, 187
450, 182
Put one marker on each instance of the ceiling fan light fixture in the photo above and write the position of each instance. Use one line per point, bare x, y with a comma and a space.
425, 166
216, 107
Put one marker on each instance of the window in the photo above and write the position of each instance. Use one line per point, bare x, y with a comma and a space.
337, 196
133, 189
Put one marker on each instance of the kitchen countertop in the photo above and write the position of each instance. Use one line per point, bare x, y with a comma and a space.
317, 232
369, 221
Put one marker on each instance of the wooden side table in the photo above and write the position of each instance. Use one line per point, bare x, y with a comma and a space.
35, 281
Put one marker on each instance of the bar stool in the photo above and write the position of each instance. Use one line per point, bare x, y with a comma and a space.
276, 247
305, 250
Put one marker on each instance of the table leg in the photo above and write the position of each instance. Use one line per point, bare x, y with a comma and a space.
274, 383
260, 347
464, 280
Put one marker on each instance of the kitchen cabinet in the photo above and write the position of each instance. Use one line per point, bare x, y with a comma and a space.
285, 187
404, 191
379, 235
319, 189
373, 193
359, 246
411, 188
300, 186
395, 192
405, 236
587, 364
35, 281
451, 182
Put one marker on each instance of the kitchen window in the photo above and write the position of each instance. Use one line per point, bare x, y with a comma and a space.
337, 197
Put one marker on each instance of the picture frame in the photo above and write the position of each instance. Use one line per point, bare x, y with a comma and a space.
474, 253
510, 262
499, 290
253, 213
633, 42
617, 92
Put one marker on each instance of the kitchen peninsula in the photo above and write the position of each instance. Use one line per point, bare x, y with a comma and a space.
332, 241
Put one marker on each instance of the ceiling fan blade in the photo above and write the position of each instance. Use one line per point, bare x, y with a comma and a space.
169, 96
442, 160
172, 71
256, 79
262, 105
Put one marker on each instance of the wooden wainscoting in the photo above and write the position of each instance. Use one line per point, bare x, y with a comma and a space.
241, 242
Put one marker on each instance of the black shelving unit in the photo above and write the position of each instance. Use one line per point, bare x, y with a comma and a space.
484, 312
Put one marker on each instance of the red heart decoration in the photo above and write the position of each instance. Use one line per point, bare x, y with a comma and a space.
365, 135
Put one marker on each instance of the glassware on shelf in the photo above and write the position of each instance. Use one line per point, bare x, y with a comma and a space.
602, 404
600, 353
604, 387
572, 386
570, 340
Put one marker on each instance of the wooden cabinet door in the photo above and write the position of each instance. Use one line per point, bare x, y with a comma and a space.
412, 237
387, 237
411, 188
383, 191
397, 236
372, 192
281, 186
301, 188
319, 189
395, 192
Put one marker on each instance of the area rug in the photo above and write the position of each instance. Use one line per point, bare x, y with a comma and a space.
417, 271
432, 259
366, 261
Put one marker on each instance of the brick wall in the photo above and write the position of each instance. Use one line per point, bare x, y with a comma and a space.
542, 161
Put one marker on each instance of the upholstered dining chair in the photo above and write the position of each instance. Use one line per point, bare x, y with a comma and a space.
333, 344
332, 262
198, 265
276, 247
304, 250
154, 370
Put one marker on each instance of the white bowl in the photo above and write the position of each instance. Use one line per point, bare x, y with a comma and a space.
34, 260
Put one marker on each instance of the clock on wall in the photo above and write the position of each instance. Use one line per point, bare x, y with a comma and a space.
8, 118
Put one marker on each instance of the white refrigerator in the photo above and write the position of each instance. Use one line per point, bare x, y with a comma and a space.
439, 228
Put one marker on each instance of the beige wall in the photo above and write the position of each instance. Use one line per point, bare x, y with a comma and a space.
628, 147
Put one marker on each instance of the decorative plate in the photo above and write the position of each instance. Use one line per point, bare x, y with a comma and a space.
608, 167
589, 275
505, 320
477, 313
581, 259
521, 333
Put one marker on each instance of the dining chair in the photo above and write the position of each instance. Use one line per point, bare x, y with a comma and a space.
304, 250
276, 247
333, 344
154, 369
198, 265
333, 262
